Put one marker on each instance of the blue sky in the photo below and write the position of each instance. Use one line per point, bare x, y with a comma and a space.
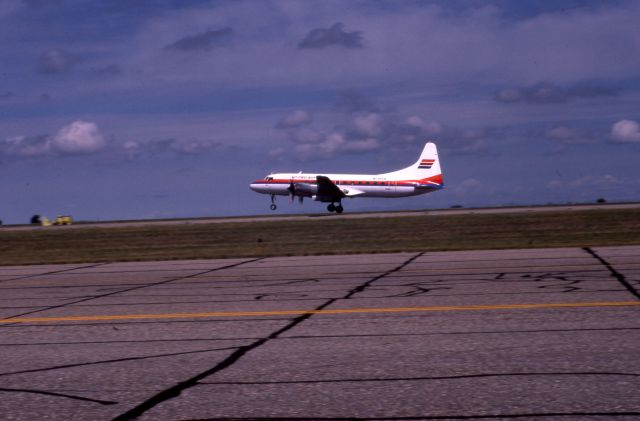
120, 109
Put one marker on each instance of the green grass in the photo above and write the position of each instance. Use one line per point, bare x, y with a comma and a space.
325, 235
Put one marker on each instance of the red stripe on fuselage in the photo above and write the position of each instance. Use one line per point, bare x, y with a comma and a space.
435, 179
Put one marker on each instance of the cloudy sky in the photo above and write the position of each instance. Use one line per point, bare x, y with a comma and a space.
120, 109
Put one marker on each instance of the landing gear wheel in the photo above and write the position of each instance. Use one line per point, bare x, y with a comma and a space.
331, 208
273, 206
339, 209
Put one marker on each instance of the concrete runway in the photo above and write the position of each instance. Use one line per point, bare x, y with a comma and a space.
528, 334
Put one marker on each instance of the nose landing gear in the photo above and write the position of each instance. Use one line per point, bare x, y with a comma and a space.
273, 203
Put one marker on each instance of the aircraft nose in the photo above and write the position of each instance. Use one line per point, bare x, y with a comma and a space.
257, 187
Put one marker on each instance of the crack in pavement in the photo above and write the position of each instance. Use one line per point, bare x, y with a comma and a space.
430, 417
130, 341
95, 297
397, 379
177, 389
59, 395
116, 360
364, 335
102, 402
19, 278
620, 277
195, 284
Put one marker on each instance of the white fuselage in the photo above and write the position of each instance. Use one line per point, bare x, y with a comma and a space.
364, 185
424, 176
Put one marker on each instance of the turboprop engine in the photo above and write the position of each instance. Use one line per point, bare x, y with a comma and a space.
301, 190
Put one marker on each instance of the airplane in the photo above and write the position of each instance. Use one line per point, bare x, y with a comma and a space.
425, 176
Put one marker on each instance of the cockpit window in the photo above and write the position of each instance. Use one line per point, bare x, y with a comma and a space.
269, 178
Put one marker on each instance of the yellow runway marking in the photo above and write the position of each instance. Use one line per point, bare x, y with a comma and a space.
301, 312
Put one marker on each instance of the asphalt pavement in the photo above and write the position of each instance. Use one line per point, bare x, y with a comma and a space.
527, 334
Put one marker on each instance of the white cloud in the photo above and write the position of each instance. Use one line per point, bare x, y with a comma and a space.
549, 93
555, 184
554, 42
431, 128
56, 61
451, 139
589, 181
365, 130
627, 131
191, 146
361, 133
333, 143
508, 95
276, 153
25, 146
306, 135
560, 133
335, 35
204, 41
132, 149
7, 7
472, 146
137, 149
362, 145
294, 119
569, 136
369, 124
79, 137
605, 180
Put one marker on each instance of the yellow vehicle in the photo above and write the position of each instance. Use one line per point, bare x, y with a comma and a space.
62, 220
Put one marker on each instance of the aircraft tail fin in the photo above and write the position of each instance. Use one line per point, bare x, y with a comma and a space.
426, 168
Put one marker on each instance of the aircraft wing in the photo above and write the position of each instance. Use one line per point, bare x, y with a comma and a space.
327, 188
351, 192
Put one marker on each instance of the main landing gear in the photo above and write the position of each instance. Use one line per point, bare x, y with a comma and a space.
333, 208
273, 203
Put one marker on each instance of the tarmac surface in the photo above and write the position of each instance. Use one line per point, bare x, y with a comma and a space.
527, 334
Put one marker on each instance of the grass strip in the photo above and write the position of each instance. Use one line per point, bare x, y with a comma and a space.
325, 235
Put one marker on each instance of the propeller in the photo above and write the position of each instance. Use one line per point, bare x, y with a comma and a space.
293, 193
